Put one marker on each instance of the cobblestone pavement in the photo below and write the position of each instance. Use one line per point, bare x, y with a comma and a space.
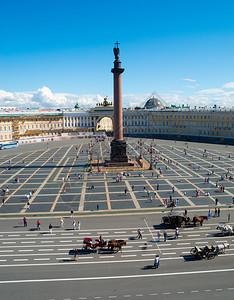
59, 181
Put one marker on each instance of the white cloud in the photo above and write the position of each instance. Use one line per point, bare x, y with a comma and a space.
45, 98
211, 91
191, 86
188, 79
229, 85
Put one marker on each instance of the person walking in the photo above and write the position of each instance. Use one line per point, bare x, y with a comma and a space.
25, 222
156, 261
139, 234
125, 191
176, 233
72, 213
38, 225
50, 228
218, 212
216, 201
61, 222
78, 225
165, 236
159, 236
229, 218
74, 225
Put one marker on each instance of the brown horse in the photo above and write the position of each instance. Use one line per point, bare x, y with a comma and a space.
116, 244
200, 220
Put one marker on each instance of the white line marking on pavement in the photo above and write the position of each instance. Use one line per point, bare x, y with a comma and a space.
31, 234
7, 250
230, 288
21, 259
186, 252
181, 244
194, 235
207, 290
67, 233
152, 235
153, 294
169, 253
131, 255
107, 256
8, 242
3, 260
47, 241
41, 258
66, 241
117, 232
28, 242
26, 250
45, 249
13, 235
150, 254
103, 232
194, 291
85, 257
180, 292
116, 277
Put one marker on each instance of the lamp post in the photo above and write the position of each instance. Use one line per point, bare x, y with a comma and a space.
151, 157
141, 144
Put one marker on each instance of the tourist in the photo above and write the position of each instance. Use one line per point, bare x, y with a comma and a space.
165, 235
156, 261
50, 228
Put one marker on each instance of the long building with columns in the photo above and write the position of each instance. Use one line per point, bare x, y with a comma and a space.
153, 120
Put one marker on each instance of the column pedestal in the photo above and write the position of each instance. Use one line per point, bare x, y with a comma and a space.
118, 151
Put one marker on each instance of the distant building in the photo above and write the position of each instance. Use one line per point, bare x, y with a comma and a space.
154, 120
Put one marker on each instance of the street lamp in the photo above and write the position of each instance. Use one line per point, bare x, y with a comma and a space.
151, 157
141, 144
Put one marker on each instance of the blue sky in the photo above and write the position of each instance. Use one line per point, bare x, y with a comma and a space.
62, 51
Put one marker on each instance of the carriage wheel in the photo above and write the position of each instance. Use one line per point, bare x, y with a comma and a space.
193, 251
210, 255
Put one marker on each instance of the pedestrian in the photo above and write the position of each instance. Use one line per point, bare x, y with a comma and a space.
133, 188
61, 222
74, 225
176, 233
216, 201
25, 222
229, 218
159, 236
148, 193
165, 236
125, 191
38, 225
78, 225
155, 195
50, 228
156, 261
185, 213
64, 189
97, 206
3, 201
218, 212
72, 213
157, 187
75, 253
28, 205
139, 234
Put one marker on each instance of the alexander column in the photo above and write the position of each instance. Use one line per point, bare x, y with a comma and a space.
118, 145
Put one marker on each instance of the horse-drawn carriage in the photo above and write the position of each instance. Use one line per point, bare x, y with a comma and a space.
176, 219
209, 251
88, 244
100, 244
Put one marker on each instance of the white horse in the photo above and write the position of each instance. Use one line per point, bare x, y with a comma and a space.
221, 247
225, 229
